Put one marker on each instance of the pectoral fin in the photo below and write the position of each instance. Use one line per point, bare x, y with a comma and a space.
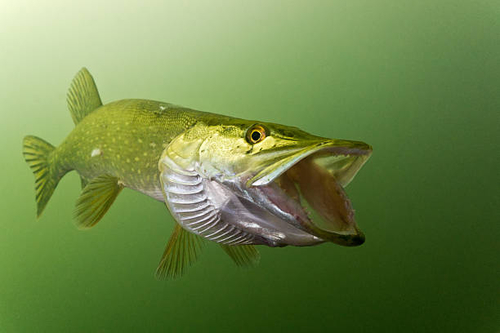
182, 250
94, 201
242, 255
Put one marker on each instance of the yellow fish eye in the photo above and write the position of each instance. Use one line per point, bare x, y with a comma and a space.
256, 134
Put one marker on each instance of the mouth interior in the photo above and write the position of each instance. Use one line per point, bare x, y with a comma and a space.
314, 191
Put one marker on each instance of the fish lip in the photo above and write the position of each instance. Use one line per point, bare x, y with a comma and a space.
337, 147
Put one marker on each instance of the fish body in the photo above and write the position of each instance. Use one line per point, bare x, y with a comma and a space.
125, 139
236, 182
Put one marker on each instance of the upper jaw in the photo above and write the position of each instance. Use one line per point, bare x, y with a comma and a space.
353, 154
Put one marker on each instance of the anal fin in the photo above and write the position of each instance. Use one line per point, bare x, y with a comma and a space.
95, 200
182, 250
242, 255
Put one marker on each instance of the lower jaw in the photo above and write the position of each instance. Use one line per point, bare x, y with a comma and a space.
296, 215
355, 238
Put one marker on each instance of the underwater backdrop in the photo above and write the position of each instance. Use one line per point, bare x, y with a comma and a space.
419, 81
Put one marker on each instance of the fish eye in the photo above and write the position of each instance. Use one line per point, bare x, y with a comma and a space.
256, 134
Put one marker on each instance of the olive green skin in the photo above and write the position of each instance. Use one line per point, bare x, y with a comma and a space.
124, 139
127, 139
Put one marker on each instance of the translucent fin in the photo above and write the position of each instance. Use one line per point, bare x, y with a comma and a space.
182, 251
95, 200
83, 97
84, 182
242, 255
37, 154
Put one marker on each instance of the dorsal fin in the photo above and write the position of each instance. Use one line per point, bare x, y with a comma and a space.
83, 97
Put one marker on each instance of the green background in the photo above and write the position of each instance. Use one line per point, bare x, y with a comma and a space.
418, 80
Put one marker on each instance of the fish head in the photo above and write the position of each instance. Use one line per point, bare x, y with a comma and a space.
280, 183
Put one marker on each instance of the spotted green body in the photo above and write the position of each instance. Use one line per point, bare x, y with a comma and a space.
125, 139
235, 182
119, 145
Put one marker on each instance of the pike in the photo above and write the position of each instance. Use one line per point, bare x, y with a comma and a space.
236, 182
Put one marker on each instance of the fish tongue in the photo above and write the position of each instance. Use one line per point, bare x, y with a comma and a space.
325, 195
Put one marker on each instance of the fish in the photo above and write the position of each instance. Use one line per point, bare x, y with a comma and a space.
239, 183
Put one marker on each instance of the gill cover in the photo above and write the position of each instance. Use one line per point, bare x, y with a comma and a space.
194, 201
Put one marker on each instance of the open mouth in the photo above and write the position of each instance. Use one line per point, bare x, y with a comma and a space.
308, 187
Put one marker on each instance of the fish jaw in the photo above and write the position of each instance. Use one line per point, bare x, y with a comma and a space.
355, 153
314, 176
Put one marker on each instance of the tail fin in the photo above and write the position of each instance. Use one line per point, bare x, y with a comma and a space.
37, 153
